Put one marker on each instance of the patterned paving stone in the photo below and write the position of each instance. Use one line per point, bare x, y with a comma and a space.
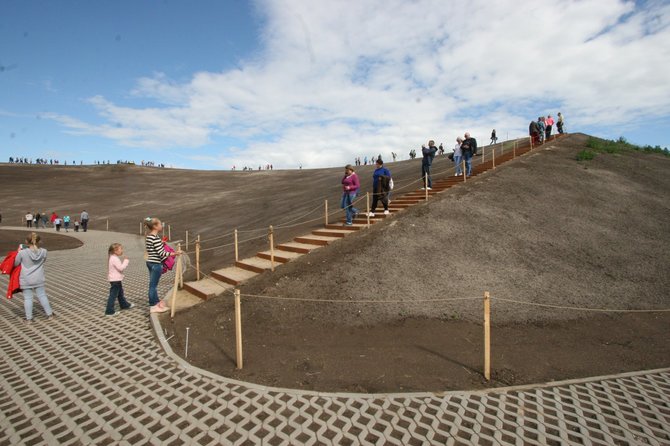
84, 378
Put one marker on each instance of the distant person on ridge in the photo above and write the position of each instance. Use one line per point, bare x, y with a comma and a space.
559, 124
29, 220
469, 149
84, 220
350, 186
549, 122
494, 138
428, 157
381, 185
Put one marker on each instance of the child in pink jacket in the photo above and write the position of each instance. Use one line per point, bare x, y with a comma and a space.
115, 277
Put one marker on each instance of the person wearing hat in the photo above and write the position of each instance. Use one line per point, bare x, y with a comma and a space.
381, 186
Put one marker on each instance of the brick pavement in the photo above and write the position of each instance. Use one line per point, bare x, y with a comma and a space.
88, 379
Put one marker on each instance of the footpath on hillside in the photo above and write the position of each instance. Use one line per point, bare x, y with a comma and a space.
544, 228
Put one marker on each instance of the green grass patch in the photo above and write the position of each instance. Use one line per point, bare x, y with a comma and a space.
585, 155
621, 145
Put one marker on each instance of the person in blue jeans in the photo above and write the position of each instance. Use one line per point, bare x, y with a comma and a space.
458, 157
427, 161
156, 254
350, 186
469, 148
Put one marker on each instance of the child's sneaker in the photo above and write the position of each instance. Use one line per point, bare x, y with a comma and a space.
112, 314
158, 309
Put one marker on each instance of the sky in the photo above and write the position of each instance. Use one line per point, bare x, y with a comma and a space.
211, 84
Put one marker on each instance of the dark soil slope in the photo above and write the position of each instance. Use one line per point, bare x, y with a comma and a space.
544, 228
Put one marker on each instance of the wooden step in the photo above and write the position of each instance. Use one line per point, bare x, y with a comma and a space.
233, 275
339, 233
206, 288
296, 247
354, 227
280, 255
255, 264
316, 240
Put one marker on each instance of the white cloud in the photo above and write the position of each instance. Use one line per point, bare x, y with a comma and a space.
337, 79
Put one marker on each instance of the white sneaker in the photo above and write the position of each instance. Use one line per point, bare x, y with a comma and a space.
386, 212
423, 188
371, 214
430, 188
158, 309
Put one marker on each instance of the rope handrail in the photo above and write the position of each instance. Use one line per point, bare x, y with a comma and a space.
567, 307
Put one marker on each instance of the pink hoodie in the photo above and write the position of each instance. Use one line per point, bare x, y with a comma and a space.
352, 182
116, 268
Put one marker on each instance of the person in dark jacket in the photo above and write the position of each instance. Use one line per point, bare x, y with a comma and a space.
469, 149
381, 185
428, 156
534, 132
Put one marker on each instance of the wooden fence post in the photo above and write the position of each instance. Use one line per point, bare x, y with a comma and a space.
238, 330
187, 239
197, 257
367, 206
483, 154
425, 185
325, 212
465, 178
494, 158
108, 225
514, 150
169, 232
237, 252
177, 274
272, 248
487, 336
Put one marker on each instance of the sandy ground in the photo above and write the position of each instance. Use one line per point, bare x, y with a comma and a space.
544, 228
10, 240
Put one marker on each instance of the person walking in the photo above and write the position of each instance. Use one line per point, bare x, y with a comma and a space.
53, 218
494, 137
534, 132
32, 280
29, 220
84, 220
549, 122
45, 220
458, 156
66, 223
115, 268
381, 185
559, 124
543, 128
428, 157
156, 254
57, 223
350, 186
469, 149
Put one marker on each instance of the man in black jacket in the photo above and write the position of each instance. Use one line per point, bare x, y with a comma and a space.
534, 132
469, 149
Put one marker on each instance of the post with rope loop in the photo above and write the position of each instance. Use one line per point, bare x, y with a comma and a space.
487, 336
237, 251
325, 212
177, 276
197, 258
367, 207
465, 178
187, 239
238, 330
169, 232
425, 184
272, 248
141, 226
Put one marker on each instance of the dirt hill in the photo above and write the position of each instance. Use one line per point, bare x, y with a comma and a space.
544, 228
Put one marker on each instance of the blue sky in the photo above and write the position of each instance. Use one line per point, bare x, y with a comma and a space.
212, 84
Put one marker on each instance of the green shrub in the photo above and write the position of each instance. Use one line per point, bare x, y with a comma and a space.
585, 155
621, 145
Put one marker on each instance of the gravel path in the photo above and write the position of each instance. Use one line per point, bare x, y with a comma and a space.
87, 379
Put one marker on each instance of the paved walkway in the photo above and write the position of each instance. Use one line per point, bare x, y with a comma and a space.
88, 379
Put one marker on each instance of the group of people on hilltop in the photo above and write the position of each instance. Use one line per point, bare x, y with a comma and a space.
540, 130
41, 161
43, 220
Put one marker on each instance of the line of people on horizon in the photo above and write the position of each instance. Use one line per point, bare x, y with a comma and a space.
39, 220
541, 130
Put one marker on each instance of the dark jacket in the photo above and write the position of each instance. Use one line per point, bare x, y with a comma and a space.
533, 128
428, 155
469, 146
381, 179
